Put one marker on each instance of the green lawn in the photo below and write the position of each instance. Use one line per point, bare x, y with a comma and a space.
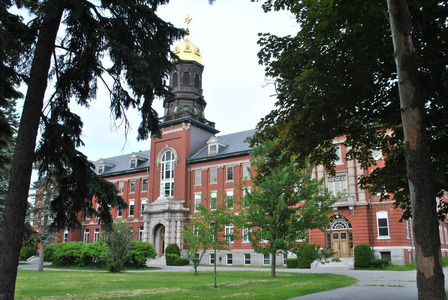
168, 285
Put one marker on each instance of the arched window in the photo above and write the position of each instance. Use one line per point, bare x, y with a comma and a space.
167, 174
197, 83
175, 80
186, 78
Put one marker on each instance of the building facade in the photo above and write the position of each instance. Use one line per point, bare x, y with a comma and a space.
191, 164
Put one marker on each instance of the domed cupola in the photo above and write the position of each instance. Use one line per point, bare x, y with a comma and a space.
186, 83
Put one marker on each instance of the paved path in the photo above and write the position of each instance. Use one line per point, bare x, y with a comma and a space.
378, 285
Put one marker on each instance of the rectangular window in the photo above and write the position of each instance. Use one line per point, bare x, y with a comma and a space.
213, 149
144, 185
337, 184
212, 258
144, 202
140, 233
101, 169
246, 171
96, 235
131, 208
339, 155
86, 236
245, 201
229, 258
195, 230
65, 236
383, 224
119, 212
441, 234
229, 232
197, 202
198, 177
246, 234
247, 258
266, 259
285, 257
133, 163
229, 199
120, 187
213, 175
132, 186
213, 201
229, 173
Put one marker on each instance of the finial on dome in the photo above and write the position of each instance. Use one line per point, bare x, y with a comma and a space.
187, 21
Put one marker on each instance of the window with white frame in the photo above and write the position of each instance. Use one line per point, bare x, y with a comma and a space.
229, 258
144, 202
229, 199
229, 232
213, 175
132, 186
246, 171
100, 169
65, 236
213, 149
198, 177
133, 163
377, 154
266, 259
229, 174
246, 234
131, 208
383, 224
407, 230
247, 258
285, 257
120, 187
197, 201
337, 184
144, 185
245, 201
195, 230
167, 174
212, 258
119, 212
446, 235
339, 155
140, 233
213, 201
96, 235
86, 236
441, 234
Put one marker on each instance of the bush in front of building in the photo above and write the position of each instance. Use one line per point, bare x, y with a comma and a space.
27, 251
139, 253
380, 263
291, 263
68, 254
306, 254
94, 254
172, 252
181, 261
49, 252
363, 256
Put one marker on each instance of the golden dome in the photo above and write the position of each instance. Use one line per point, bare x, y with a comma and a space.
186, 50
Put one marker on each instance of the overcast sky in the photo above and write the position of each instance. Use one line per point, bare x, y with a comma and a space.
226, 34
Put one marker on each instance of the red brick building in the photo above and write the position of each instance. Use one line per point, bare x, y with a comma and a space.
164, 186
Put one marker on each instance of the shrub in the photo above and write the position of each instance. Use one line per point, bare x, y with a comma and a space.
49, 252
291, 263
172, 252
139, 253
94, 254
27, 251
68, 254
306, 254
171, 259
380, 263
181, 261
445, 261
118, 239
363, 256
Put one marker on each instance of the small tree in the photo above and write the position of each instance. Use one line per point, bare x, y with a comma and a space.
363, 256
284, 203
198, 237
119, 241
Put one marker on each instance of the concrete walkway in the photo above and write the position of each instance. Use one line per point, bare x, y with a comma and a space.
378, 285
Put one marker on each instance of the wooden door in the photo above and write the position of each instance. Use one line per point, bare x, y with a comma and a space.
340, 243
162, 242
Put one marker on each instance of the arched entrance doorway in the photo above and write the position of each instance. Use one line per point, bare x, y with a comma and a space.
159, 239
339, 236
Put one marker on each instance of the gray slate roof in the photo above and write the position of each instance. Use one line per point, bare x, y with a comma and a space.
120, 164
235, 145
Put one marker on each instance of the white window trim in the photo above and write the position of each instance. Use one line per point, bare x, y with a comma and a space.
164, 181
196, 198
216, 179
228, 231
250, 259
382, 214
230, 193
215, 196
133, 204
227, 173
227, 259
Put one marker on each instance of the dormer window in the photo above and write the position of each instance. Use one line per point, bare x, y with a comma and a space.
135, 158
133, 163
213, 149
100, 169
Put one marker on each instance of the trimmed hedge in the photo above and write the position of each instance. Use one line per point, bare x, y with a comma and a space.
380, 263
306, 254
181, 261
291, 263
139, 253
68, 254
94, 254
363, 256
172, 252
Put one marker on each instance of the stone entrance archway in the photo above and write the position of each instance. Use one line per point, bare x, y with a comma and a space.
339, 236
159, 239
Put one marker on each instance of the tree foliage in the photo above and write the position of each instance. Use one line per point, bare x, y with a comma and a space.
337, 77
283, 205
118, 239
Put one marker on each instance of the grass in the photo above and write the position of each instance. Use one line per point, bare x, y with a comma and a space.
391, 267
93, 268
169, 285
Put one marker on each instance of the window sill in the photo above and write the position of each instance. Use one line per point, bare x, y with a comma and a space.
383, 238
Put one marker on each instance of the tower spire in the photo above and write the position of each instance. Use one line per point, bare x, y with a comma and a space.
187, 22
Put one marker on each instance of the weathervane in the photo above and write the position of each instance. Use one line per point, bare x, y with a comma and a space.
187, 21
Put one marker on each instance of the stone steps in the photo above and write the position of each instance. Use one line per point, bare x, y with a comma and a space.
345, 263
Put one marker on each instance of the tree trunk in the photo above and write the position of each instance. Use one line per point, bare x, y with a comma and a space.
16, 202
273, 262
41, 257
214, 266
430, 278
